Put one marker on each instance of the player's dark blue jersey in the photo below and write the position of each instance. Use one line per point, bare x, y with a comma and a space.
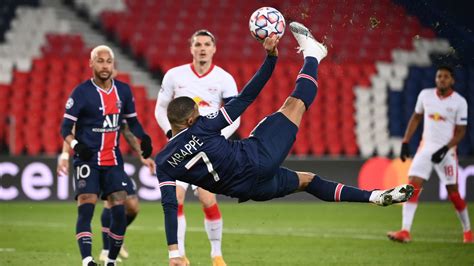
97, 115
199, 155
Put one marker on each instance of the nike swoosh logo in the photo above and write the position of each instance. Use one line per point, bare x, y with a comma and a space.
124, 184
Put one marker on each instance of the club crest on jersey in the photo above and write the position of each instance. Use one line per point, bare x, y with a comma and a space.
119, 104
69, 103
212, 115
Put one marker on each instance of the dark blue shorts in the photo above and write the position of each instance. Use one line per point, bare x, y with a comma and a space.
100, 180
283, 183
275, 136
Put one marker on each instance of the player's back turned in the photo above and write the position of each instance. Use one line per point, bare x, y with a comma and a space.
202, 156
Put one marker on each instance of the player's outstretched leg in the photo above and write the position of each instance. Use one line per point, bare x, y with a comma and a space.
306, 84
332, 191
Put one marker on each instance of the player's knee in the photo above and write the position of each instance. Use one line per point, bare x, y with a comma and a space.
86, 198
207, 199
293, 109
180, 195
416, 181
304, 179
132, 207
452, 189
117, 198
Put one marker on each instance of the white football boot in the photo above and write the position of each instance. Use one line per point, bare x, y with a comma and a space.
387, 197
308, 44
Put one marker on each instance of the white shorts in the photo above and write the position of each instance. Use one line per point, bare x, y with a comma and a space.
447, 169
185, 185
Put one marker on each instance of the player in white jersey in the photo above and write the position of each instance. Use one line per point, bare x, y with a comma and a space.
210, 86
445, 120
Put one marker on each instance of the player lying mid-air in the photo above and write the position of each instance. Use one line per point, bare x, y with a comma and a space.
250, 169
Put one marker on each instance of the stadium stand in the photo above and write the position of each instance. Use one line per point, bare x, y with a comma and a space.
368, 86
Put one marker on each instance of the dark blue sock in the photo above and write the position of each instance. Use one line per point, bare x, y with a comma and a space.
331, 191
130, 218
306, 84
105, 221
83, 228
117, 230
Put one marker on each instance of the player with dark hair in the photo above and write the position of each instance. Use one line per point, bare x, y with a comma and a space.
250, 169
96, 109
444, 112
209, 86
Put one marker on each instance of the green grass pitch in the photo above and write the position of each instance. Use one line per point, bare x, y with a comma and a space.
276, 233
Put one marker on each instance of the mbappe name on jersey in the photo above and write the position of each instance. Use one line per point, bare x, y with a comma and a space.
187, 150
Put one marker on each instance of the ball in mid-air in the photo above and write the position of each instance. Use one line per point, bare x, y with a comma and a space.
266, 22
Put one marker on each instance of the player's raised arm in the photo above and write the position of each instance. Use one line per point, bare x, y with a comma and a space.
235, 107
230, 91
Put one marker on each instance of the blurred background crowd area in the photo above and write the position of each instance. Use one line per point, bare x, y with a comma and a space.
381, 55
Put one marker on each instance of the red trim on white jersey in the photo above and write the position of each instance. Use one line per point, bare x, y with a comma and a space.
204, 74
442, 97
337, 192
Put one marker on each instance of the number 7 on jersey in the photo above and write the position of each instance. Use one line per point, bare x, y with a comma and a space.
202, 155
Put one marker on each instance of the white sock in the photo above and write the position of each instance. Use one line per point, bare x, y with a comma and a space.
86, 260
408, 213
181, 234
214, 233
110, 261
464, 218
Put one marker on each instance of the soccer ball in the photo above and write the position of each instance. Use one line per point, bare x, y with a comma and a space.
266, 22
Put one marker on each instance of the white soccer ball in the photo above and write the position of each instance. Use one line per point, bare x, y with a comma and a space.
266, 22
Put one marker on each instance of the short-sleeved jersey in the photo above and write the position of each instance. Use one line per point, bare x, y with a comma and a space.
201, 156
441, 115
207, 90
98, 115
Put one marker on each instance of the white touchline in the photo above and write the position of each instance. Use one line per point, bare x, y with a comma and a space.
7, 250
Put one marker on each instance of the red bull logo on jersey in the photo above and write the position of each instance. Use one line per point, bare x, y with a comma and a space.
437, 117
200, 102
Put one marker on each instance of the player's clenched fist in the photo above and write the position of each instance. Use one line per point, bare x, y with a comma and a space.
146, 146
405, 152
82, 150
270, 44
